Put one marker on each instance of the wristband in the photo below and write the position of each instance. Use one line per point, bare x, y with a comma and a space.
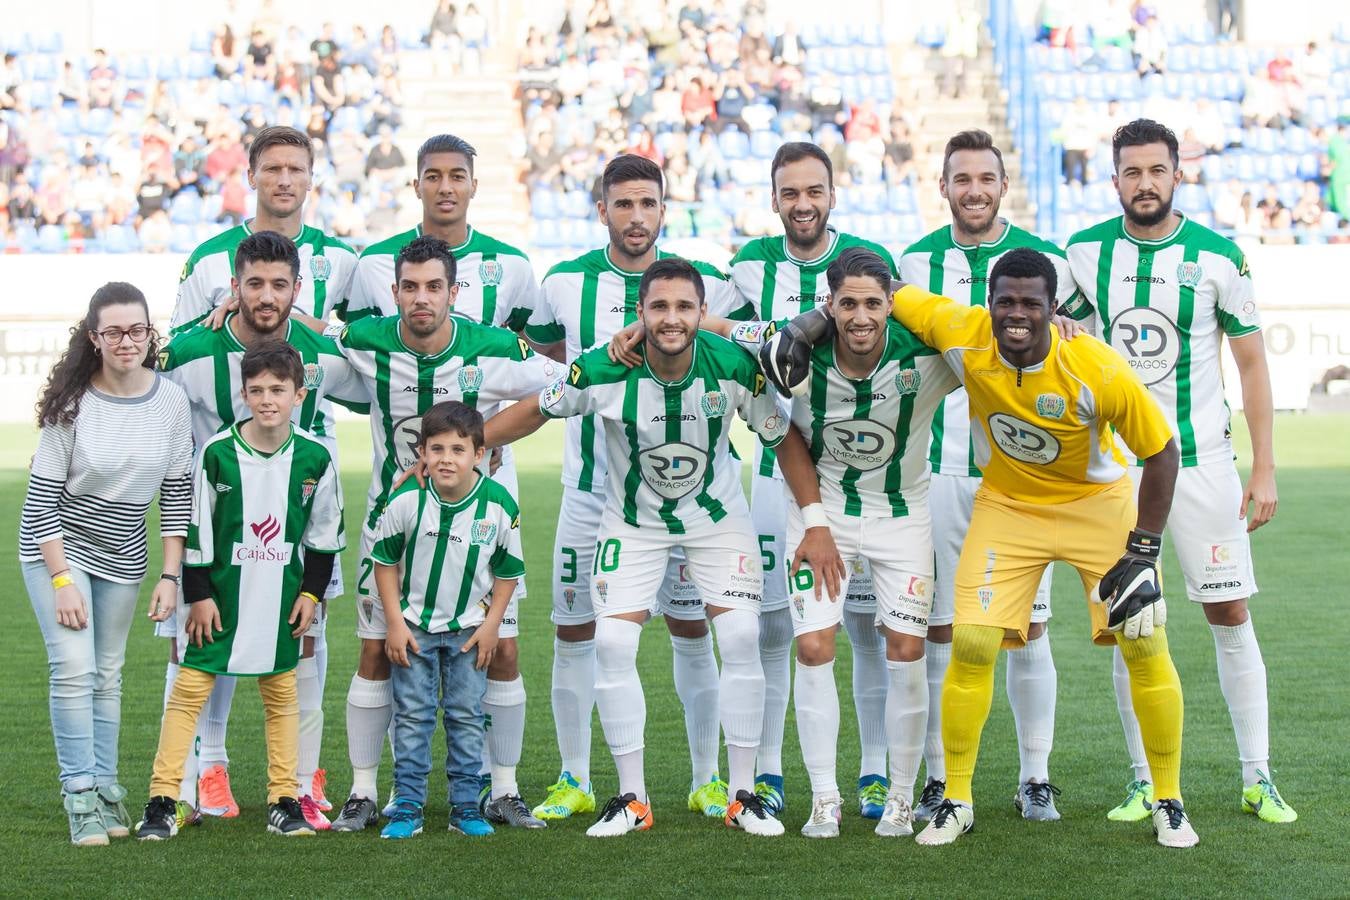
1144, 544
312, 598
813, 515
62, 580
165, 576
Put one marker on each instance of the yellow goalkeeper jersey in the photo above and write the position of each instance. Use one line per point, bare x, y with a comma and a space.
1042, 434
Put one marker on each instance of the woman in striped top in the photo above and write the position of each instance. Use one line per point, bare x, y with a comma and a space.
112, 433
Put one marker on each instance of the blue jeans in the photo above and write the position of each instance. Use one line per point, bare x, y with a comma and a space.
85, 682
439, 669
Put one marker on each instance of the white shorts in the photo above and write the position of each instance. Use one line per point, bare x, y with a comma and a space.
768, 512
574, 544
721, 558
898, 553
950, 501
1210, 541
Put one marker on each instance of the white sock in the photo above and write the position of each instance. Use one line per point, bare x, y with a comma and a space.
1242, 678
504, 706
869, 689
740, 695
936, 656
310, 696
619, 697
1134, 741
573, 698
817, 703
775, 648
370, 708
696, 685
1032, 682
216, 721
906, 715
631, 779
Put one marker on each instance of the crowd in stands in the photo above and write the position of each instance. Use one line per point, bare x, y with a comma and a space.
131, 151
709, 94
1263, 131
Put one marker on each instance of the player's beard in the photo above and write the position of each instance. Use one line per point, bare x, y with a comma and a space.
283, 316
1148, 220
616, 240
426, 330
656, 347
976, 226
809, 238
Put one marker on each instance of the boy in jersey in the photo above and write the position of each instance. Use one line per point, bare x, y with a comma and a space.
855, 461
1166, 291
672, 483
1043, 410
441, 551
266, 526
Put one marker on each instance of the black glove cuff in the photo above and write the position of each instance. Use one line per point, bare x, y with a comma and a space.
1145, 544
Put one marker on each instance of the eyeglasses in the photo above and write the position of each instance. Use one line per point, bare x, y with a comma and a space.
113, 336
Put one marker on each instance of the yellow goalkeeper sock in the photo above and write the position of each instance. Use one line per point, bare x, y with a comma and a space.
967, 694
1156, 692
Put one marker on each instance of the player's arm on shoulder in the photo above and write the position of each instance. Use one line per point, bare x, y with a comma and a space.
936, 320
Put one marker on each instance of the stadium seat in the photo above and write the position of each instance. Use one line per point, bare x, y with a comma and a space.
185, 209
40, 95
901, 199
51, 239
547, 234
733, 144
544, 204
763, 144
1192, 198
49, 42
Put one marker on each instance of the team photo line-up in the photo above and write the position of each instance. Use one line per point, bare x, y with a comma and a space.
933, 433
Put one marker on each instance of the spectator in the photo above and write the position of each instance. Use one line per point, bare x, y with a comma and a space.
1270, 205
387, 51
102, 81
1208, 126
1263, 105
733, 95
698, 104
388, 85
961, 47
645, 146
223, 51
545, 162
70, 87
1308, 211
443, 32
473, 30
316, 126
189, 167
681, 180
293, 49
1228, 19
226, 154
1250, 220
348, 222
121, 202
89, 198
1079, 138
385, 161
289, 85
1113, 26
327, 83
360, 51
1338, 170
1313, 71
156, 232
1150, 48
600, 26
831, 143
233, 198
706, 158
324, 46
152, 196
11, 78
1191, 151
1228, 205
22, 204
259, 59
898, 165
788, 48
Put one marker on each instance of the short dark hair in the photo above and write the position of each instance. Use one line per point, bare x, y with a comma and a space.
628, 167
1025, 262
671, 268
278, 136
452, 416
274, 357
266, 246
422, 249
858, 262
1141, 132
971, 139
795, 151
445, 143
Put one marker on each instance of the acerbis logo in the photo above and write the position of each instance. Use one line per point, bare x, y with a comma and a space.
1149, 340
1144, 279
454, 538
418, 389
859, 443
673, 470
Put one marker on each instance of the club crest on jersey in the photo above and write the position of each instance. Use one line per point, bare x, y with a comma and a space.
713, 404
307, 489
601, 589
1189, 274
799, 604
482, 532
986, 597
313, 376
490, 272
470, 379
907, 381
569, 596
1050, 406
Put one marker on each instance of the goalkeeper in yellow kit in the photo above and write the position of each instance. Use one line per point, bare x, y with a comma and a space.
1043, 410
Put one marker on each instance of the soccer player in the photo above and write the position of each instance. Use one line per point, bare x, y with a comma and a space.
1054, 488
672, 483
1166, 291
855, 461
496, 286
409, 362
266, 526
456, 544
204, 361
954, 261
585, 301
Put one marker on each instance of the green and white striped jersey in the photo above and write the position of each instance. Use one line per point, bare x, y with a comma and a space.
869, 436
496, 282
326, 267
482, 367
252, 516
450, 553
772, 284
1165, 306
584, 302
960, 272
205, 364
670, 467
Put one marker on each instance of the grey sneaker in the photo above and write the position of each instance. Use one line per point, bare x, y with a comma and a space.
825, 814
511, 810
113, 810
897, 819
86, 825
357, 813
929, 801
1036, 801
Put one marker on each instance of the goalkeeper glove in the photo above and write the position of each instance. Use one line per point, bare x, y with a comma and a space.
786, 356
1131, 589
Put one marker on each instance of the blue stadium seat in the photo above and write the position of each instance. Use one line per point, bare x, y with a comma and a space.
1309, 167
1212, 168
185, 209
200, 65
1207, 59
40, 95
548, 234
1181, 60
49, 42
168, 68
1116, 59
875, 63
1192, 198
115, 241
575, 205
182, 239
763, 144
901, 199
99, 122
200, 41
544, 204
51, 239
734, 144
68, 122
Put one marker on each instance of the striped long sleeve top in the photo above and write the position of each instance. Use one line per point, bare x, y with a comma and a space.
91, 482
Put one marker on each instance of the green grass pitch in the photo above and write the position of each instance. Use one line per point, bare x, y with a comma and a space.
1298, 616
